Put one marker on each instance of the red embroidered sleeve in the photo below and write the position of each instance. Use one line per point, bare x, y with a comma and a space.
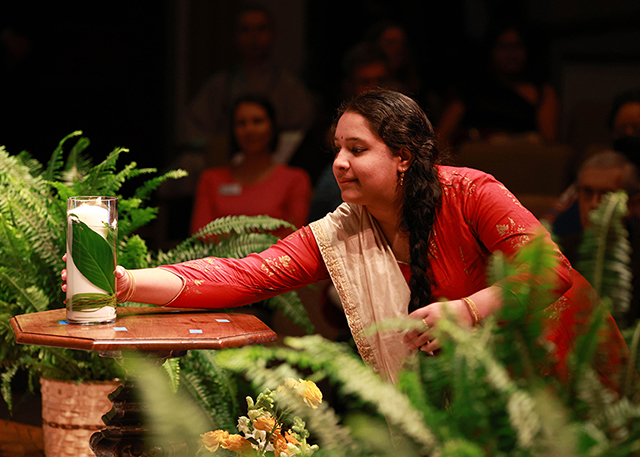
214, 282
505, 225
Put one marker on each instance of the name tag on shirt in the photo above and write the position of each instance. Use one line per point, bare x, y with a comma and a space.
233, 188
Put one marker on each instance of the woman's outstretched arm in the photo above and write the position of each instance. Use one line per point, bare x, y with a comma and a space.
213, 282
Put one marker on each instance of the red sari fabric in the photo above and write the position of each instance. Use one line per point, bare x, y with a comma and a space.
478, 216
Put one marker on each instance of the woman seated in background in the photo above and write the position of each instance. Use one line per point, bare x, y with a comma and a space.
413, 238
505, 100
253, 184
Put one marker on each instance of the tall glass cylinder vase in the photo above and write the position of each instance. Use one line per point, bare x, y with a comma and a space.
92, 224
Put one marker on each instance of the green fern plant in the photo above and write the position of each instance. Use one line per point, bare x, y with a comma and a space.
33, 237
604, 254
484, 394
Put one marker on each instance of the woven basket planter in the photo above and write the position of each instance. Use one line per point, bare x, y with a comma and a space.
71, 413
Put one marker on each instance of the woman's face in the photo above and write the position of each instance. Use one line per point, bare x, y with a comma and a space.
365, 168
393, 42
252, 128
627, 121
509, 53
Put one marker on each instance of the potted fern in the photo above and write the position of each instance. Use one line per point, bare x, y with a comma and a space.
33, 238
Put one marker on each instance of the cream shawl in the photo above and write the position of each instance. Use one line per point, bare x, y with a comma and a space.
369, 282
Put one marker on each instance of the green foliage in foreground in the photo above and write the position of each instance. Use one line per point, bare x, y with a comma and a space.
484, 395
33, 226
604, 254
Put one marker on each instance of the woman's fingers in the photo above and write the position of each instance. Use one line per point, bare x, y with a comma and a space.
120, 271
431, 346
413, 334
63, 275
420, 340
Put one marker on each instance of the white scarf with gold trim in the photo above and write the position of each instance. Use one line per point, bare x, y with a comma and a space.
369, 282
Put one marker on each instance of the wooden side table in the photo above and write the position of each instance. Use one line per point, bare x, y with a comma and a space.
158, 331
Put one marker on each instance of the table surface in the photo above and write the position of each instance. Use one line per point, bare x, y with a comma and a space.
154, 329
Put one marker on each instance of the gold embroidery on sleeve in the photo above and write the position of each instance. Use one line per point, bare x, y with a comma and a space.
508, 193
277, 265
464, 185
463, 261
515, 231
554, 311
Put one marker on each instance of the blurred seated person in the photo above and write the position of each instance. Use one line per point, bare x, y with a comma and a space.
624, 122
506, 101
366, 67
604, 172
253, 184
404, 72
392, 39
256, 73
624, 128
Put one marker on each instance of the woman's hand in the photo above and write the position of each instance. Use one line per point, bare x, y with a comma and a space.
431, 315
122, 280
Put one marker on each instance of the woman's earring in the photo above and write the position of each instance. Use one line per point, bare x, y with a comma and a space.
402, 178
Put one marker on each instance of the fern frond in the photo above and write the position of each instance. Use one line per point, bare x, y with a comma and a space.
238, 246
29, 298
631, 370
520, 405
355, 378
76, 166
143, 192
56, 162
133, 253
239, 225
114, 181
292, 308
212, 387
604, 254
172, 368
32, 165
5, 386
243, 244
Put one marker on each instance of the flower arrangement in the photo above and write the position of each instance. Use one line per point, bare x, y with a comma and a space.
262, 428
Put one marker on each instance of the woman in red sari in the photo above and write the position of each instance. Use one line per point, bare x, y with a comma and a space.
412, 238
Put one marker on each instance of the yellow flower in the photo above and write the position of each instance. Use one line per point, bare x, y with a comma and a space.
264, 423
238, 444
310, 393
211, 440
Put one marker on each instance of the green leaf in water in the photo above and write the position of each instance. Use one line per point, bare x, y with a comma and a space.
92, 302
93, 256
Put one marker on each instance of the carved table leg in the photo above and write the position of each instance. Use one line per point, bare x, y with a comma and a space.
125, 435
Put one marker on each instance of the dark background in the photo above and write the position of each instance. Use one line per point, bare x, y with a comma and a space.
113, 68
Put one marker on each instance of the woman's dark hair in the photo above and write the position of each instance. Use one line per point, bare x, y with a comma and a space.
401, 124
271, 114
621, 99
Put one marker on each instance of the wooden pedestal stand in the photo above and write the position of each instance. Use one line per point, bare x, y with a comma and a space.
159, 332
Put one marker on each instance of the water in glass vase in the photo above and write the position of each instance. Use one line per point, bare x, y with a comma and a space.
91, 260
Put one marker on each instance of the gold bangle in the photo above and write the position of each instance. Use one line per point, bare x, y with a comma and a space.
131, 290
473, 311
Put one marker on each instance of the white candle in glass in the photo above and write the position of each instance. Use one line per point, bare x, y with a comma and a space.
96, 216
